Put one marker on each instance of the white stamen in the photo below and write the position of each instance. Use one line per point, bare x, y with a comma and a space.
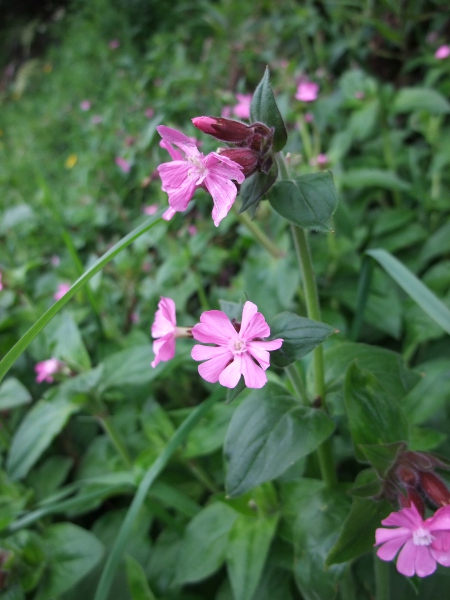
238, 346
422, 537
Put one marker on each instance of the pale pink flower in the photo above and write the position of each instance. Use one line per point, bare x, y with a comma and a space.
309, 117
114, 44
239, 351
421, 543
307, 91
85, 105
165, 329
1, 284
150, 209
192, 230
320, 160
55, 260
226, 112
62, 290
442, 52
134, 317
359, 94
149, 112
96, 119
123, 164
47, 368
242, 108
181, 177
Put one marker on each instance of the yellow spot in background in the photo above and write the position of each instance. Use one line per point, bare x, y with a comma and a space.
47, 68
71, 161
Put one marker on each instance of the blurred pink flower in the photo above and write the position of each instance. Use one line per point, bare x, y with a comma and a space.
242, 108
309, 117
55, 260
1, 284
442, 52
150, 209
96, 119
47, 368
422, 544
63, 288
307, 91
134, 317
359, 95
149, 112
123, 164
163, 329
114, 44
226, 112
319, 160
192, 230
85, 105
238, 351
185, 174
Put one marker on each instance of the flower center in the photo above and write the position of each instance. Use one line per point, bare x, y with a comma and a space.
238, 346
422, 537
200, 171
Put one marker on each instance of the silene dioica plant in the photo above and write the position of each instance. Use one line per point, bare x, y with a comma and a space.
274, 516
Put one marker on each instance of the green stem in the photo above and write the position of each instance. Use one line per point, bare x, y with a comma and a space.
297, 383
116, 438
115, 556
259, 234
381, 579
200, 291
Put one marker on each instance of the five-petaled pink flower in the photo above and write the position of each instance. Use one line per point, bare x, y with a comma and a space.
181, 177
239, 351
47, 368
422, 543
62, 290
442, 52
242, 108
307, 91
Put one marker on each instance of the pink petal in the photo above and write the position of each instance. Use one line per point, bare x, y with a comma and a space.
169, 214
208, 352
174, 136
440, 520
261, 355
211, 369
174, 153
253, 323
254, 376
407, 517
177, 183
222, 166
165, 319
223, 192
425, 563
389, 550
164, 349
232, 373
214, 328
384, 535
406, 561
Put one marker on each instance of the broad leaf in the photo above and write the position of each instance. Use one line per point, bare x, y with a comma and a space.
419, 98
269, 432
308, 201
247, 551
265, 110
66, 342
300, 336
254, 188
382, 457
360, 178
13, 393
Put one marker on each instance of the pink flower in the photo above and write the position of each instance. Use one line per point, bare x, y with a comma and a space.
307, 91
114, 44
192, 230
238, 350
149, 112
96, 119
242, 108
1, 284
359, 94
181, 177
150, 209
85, 105
55, 260
123, 164
47, 368
320, 160
226, 112
309, 117
421, 543
442, 52
63, 288
165, 329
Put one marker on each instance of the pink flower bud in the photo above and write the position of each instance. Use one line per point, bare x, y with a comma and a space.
412, 497
245, 157
226, 130
434, 488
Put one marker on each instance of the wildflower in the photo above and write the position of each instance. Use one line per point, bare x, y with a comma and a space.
226, 112
422, 544
63, 288
150, 209
359, 94
185, 174
71, 161
309, 117
307, 91
55, 260
239, 351
320, 160
1, 284
96, 119
123, 164
47, 368
114, 44
85, 105
149, 112
442, 52
242, 108
192, 230
165, 329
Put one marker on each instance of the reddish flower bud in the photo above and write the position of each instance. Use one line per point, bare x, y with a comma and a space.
407, 475
434, 488
412, 497
242, 156
226, 130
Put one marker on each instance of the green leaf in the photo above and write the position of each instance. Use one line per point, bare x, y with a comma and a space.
205, 542
368, 485
13, 394
300, 336
413, 287
72, 552
67, 344
307, 201
268, 432
254, 188
265, 110
420, 98
373, 417
128, 367
209, 434
249, 542
316, 529
40, 425
382, 457
361, 178
137, 580
29, 336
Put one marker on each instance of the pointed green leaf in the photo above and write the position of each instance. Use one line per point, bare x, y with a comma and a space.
255, 187
382, 457
411, 99
137, 580
299, 335
265, 110
13, 393
268, 432
367, 484
423, 296
308, 201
